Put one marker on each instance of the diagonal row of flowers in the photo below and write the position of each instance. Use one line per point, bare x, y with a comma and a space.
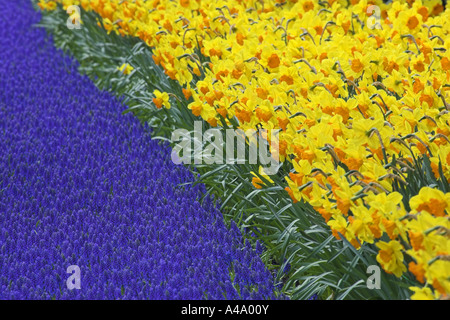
82, 185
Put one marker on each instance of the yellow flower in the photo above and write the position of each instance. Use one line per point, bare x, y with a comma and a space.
257, 181
390, 257
125, 68
438, 275
47, 5
424, 293
161, 99
431, 200
360, 225
108, 25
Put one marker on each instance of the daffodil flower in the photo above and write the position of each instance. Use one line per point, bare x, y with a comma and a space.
125, 68
161, 99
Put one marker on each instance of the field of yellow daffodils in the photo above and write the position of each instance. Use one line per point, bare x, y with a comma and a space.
360, 94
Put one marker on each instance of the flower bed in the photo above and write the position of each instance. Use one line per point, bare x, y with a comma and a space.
362, 111
81, 184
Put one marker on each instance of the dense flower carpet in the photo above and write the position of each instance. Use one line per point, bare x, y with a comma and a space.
311, 141
81, 184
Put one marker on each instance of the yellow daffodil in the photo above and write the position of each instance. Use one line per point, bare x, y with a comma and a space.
125, 68
391, 258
